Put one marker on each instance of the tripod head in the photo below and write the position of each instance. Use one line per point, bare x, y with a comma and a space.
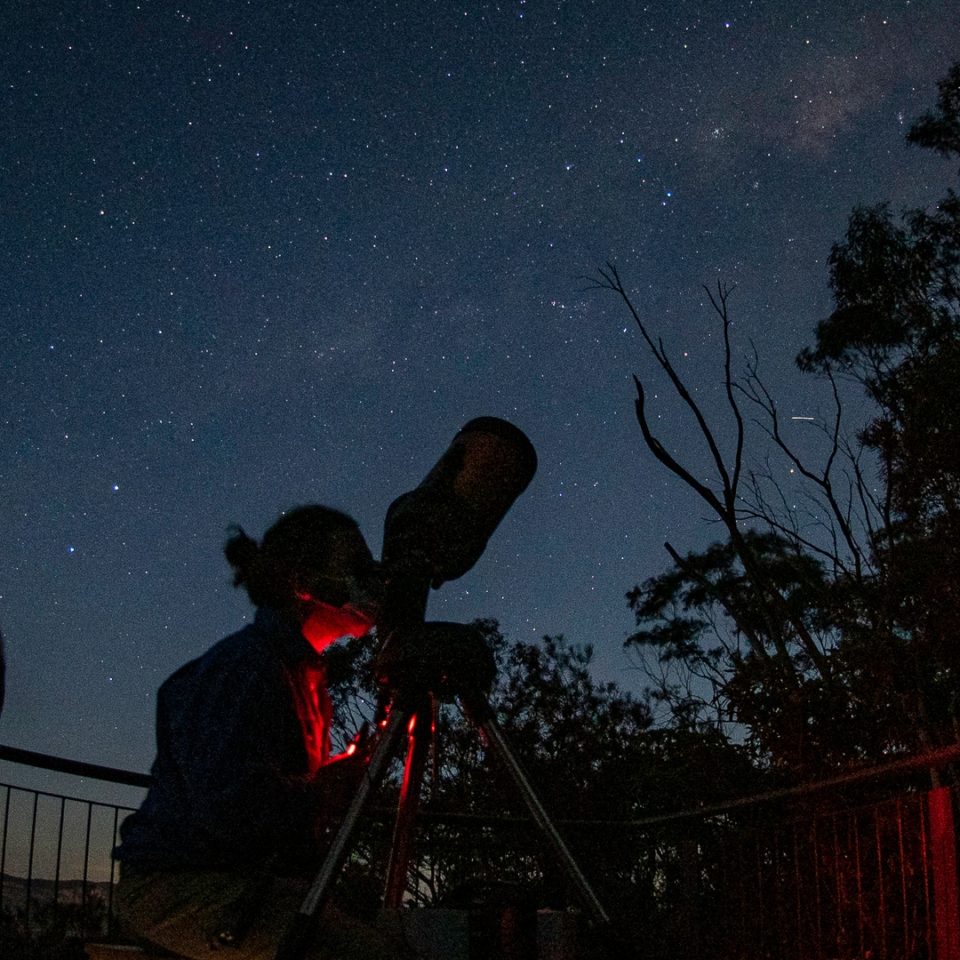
439, 658
437, 531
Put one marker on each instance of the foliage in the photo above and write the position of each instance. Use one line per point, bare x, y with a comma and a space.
596, 764
577, 738
53, 931
831, 637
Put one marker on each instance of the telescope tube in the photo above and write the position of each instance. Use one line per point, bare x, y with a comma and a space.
439, 530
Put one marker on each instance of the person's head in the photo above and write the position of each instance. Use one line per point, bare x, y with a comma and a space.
313, 563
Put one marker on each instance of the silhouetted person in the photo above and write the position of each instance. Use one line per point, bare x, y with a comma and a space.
244, 789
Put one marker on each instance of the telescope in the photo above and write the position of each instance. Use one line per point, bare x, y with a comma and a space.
437, 531
433, 534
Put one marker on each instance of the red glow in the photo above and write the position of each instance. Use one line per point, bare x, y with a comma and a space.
943, 848
325, 624
351, 750
412, 725
407, 768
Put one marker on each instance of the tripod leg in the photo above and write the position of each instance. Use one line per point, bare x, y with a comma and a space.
481, 714
300, 935
404, 833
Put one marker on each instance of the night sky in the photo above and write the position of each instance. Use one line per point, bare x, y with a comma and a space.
254, 255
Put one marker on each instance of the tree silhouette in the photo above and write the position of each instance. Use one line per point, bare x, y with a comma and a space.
831, 635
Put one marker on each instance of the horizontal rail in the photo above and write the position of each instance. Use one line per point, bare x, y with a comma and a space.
77, 767
922, 761
931, 759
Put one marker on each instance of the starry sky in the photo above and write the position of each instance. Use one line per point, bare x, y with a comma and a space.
256, 255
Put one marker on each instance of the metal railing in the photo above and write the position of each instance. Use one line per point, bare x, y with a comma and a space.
848, 883
798, 874
56, 865
842, 869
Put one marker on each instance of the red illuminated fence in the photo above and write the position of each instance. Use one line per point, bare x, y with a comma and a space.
860, 868
878, 881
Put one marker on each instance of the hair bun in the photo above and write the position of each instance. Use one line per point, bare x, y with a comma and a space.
242, 553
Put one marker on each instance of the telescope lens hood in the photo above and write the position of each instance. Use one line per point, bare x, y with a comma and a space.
442, 527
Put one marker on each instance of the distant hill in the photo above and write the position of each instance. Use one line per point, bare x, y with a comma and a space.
13, 892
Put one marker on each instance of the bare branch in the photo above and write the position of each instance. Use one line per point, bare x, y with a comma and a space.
756, 391
659, 451
720, 306
727, 509
610, 280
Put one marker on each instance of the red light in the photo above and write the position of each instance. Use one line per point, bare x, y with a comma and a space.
351, 750
412, 724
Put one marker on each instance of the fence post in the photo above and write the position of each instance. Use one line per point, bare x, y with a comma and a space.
688, 945
943, 857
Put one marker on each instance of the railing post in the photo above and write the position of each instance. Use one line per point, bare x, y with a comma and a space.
3, 847
33, 841
943, 857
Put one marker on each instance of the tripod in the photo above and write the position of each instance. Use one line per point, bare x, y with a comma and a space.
443, 660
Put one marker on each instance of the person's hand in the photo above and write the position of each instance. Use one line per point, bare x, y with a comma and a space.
340, 776
361, 745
